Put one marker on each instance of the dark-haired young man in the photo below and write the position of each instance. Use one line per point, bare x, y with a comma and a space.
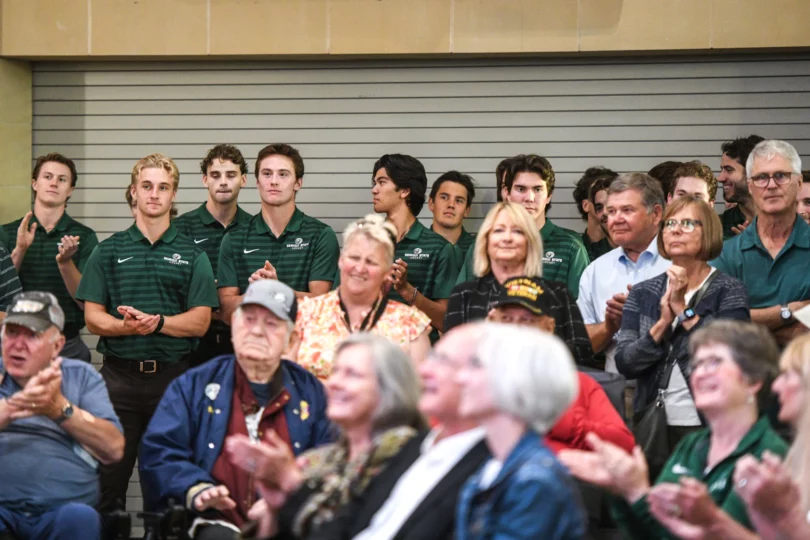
664, 172
280, 242
529, 181
425, 264
735, 185
590, 194
224, 173
49, 248
450, 201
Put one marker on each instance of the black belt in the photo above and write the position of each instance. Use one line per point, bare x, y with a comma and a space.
146, 367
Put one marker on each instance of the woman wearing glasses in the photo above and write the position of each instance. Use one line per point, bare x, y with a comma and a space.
662, 313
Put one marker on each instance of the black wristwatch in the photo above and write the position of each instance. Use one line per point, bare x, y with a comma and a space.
687, 314
159, 326
67, 413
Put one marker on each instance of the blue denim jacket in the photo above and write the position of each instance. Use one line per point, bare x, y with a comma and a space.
532, 497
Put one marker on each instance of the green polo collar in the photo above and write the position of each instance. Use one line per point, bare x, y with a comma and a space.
167, 237
61, 225
415, 231
799, 236
749, 443
207, 219
294, 224
548, 230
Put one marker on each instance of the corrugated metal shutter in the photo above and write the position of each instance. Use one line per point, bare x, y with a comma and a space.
626, 114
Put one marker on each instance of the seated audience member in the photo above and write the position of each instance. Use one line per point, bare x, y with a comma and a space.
803, 203
664, 172
359, 304
450, 202
508, 246
661, 313
770, 256
694, 179
524, 301
634, 207
252, 393
732, 363
591, 195
56, 425
735, 186
529, 181
9, 282
373, 395
516, 386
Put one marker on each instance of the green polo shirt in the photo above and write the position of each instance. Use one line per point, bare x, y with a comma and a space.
689, 459
463, 245
168, 278
306, 251
4, 240
206, 231
770, 282
40, 271
595, 249
564, 258
733, 217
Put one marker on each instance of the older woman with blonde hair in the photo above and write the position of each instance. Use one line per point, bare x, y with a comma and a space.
359, 304
507, 246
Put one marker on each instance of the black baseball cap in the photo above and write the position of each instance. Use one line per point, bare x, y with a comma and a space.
36, 311
525, 292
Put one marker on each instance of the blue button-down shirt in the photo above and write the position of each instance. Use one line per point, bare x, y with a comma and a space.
610, 274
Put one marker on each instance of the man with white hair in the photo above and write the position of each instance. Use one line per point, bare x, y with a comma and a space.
770, 257
253, 393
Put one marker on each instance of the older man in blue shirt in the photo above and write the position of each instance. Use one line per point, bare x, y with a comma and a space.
635, 205
56, 425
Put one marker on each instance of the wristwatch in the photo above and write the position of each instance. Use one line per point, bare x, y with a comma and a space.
687, 314
67, 413
785, 313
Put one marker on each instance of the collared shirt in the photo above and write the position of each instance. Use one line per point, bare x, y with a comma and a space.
435, 461
40, 271
432, 262
564, 258
471, 301
206, 231
306, 251
610, 274
463, 244
770, 282
42, 466
595, 249
9, 282
166, 278
733, 217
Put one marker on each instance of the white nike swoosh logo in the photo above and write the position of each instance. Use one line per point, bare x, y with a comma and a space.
123, 260
679, 469
200, 241
251, 251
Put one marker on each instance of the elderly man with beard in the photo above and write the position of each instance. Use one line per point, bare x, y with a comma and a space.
252, 393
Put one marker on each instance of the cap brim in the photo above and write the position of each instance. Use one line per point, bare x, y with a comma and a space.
518, 302
35, 324
803, 316
274, 308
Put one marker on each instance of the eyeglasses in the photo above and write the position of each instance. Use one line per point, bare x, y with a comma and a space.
686, 225
779, 178
710, 364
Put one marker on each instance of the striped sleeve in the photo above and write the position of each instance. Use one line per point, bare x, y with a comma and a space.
9, 282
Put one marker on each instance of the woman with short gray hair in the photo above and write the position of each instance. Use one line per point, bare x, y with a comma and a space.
373, 395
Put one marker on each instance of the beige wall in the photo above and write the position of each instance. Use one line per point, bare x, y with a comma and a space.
196, 28
15, 139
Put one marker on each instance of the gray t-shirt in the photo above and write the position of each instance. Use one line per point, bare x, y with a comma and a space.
41, 465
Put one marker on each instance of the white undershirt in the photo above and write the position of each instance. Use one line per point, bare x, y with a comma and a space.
435, 461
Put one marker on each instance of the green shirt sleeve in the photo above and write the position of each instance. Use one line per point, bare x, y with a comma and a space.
446, 272
4, 239
9, 282
93, 286
226, 265
86, 247
466, 274
325, 259
579, 262
726, 261
202, 291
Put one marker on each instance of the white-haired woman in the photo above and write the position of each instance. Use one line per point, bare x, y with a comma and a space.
359, 303
372, 396
507, 246
516, 386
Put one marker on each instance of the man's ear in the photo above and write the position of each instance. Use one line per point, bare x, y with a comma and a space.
586, 206
431, 205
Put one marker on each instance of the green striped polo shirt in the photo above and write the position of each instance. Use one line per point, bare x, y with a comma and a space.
306, 251
206, 231
465, 242
9, 283
595, 249
40, 271
4, 240
733, 217
564, 258
168, 278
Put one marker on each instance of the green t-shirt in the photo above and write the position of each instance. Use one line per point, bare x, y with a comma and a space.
595, 249
306, 251
733, 217
167, 278
40, 271
564, 258
689, 459
206, 231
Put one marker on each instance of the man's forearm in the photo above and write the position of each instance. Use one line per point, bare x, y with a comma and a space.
770, 317
601, 336
99, 437
105, 325
228, 302
192, 323
71, 276
17, 257
435, 309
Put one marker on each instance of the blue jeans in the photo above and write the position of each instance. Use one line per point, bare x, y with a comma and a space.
72, 521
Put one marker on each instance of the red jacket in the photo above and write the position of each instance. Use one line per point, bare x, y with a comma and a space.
592, 411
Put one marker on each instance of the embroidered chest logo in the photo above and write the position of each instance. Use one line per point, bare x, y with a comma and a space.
417, 254
298, 244
176, 260
550, 258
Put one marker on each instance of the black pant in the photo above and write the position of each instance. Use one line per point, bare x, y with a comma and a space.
215, 342
134, 396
